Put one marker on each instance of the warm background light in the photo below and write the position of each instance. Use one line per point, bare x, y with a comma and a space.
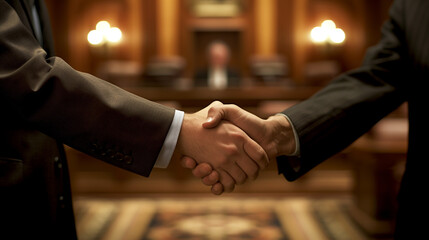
338, 36
327, 33
104, 33
102, 26
318, 35
114, 35
329, 25
95, 37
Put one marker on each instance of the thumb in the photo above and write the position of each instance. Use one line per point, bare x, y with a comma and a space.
214, 117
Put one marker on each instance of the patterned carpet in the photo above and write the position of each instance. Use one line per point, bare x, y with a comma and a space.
214, 219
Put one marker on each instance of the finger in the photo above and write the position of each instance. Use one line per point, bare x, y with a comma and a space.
188, 162
248, 122
211, 179
204, 112
235, 172
256, 153
202, 170
216, 103
217, 189
227, 181
214, 117
249, 166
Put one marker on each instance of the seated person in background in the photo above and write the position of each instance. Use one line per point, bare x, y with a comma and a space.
218, 74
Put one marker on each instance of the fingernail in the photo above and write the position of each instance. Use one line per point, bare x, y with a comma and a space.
209, 119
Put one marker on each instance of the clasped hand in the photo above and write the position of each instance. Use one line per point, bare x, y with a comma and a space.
225, 145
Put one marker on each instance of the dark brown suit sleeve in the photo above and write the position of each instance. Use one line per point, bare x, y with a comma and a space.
80, 110
348, 107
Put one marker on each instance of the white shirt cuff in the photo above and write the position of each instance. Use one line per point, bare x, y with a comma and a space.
170, 141
297, 147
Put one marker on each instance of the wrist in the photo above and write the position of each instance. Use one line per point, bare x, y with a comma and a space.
182, 140
283, 135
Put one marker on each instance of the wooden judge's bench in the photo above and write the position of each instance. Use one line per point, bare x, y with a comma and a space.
369, 171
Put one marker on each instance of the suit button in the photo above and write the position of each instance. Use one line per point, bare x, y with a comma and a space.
119, 156
128, 159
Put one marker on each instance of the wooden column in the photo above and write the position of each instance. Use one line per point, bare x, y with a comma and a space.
137, 29
167, 27
265, 28
300, 39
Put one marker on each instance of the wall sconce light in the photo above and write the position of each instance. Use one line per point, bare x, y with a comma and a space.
327, 33
104, 34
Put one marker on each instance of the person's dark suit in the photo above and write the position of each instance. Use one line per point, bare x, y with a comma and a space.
46, 103
201, 78
394, 71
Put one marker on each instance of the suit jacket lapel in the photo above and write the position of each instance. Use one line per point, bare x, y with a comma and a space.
24, 10
48, 43
26, 6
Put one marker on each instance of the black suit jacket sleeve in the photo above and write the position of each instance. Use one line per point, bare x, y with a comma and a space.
348, 107
78, 109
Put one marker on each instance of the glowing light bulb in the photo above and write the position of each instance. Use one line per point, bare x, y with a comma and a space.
104, 33
318, 35
102, 26
337, 36
114, 35
327, 32
95, 37
328, 25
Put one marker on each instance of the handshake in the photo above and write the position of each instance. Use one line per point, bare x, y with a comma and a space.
226, 145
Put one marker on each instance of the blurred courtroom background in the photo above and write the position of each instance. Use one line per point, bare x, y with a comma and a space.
164, 44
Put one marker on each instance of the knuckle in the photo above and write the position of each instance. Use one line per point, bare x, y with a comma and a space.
237, 135
231, 150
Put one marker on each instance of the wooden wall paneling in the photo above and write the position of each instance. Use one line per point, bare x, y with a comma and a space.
300, 39
59, 22
187, 40
135, 35
167, 15
377, 12
150, 30
248, 39
265, 27
285, 29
